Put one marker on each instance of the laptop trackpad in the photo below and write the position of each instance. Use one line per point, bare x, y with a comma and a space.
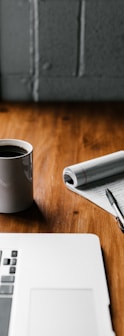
63, 312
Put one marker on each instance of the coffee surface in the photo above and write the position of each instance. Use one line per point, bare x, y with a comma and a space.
11, 151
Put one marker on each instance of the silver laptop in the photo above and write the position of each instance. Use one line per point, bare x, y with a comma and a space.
53, 285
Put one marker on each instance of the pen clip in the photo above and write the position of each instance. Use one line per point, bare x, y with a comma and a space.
120, 224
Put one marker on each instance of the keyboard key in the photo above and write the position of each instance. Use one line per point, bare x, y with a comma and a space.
6, 289
8, 278
12, 270
0, 255
5, 310
14, 253
6, 261
13, 261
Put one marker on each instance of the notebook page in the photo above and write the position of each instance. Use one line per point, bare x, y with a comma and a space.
96, 193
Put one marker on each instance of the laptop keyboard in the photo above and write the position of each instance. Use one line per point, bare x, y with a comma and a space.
8, 263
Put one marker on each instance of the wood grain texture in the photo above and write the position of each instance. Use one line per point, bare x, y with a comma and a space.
64, 134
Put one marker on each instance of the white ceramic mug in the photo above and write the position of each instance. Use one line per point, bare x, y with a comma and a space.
16, 178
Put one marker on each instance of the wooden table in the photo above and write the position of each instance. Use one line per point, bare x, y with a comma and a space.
64, 134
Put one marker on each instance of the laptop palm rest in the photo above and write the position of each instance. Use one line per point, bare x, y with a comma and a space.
63, 312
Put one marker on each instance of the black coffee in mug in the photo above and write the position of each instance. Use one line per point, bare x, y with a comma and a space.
16, 175
11, 151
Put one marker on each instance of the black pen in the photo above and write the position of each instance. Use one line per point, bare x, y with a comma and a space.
115, 206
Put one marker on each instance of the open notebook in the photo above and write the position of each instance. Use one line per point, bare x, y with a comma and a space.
91, 178
53, 285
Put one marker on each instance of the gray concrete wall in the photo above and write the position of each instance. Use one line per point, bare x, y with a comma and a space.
61, 50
